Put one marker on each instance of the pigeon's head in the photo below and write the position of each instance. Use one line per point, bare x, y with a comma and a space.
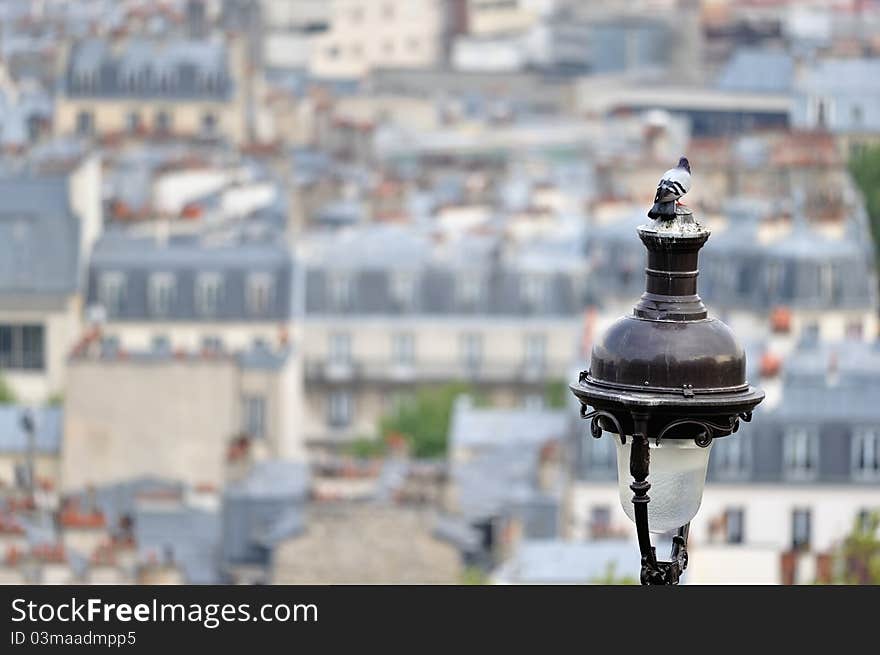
685, 164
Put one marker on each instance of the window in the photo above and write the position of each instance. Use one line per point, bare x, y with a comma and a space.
603, 454
339, 288
731, 457
856, 115
22, 347
826, 282
600, 520
253, 415
339, 409
866, 453
403, 288
801, 529
403, 349
133, 121
209, 292
865, 521
855, 330
161, 344
212, 344
162, 290
535, 350
260, 294
209, 123
163, 121
112, 292
810, 332
823, 111
469, 288
340, 348
109, 346
533, 289
472, 351
85, 123
734, 525
801, 453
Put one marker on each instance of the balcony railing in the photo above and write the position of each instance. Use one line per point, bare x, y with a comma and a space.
388, 371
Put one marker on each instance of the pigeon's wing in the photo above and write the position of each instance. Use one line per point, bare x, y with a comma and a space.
665, 193
680, 179
673, 185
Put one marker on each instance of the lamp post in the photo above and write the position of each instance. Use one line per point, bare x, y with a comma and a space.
666, 381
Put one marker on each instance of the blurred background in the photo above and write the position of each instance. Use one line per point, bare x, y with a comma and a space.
291, 291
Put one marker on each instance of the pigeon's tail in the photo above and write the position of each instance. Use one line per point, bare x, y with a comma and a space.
662, 210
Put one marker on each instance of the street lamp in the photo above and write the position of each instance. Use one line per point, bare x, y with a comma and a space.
666, 380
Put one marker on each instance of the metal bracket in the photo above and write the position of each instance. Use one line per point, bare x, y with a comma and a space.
595, 428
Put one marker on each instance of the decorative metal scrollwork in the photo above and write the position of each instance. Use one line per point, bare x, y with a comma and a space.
709, 428
595, 428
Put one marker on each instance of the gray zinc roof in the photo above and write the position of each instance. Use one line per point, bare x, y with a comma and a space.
478, 427
173, 69
39, 235
189, 536
755, 69
273, 479
234, 257
48, 430
554, 561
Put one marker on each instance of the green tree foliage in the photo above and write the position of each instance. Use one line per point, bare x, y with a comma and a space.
858, 560
7, 395
423, 419
865, 168
556, 393
366, 448
610, 577
473, 576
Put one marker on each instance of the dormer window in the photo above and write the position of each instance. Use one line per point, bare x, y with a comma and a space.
866, 453
801, 453
209, 292
260, 294
603, 453
731, 458
533, 288
403, 285
162, 292
339, 290
469, 288
112, 292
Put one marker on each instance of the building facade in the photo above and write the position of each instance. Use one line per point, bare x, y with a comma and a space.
379, 326
363, 36
50, 220
158, 89
187, 417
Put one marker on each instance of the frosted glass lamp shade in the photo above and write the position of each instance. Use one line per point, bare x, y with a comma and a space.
677, 473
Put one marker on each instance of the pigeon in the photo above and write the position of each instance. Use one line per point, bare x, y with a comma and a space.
673, 185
